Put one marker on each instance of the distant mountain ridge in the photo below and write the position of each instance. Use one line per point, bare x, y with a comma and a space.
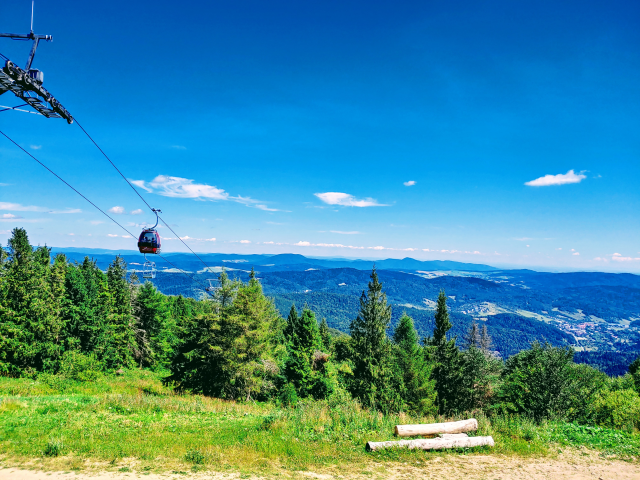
262, 262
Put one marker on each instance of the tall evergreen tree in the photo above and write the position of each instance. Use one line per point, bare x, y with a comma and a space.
374, 382
30, 319
292, 323
233, 350
472, 338
304, 342
155, 326
118, 338
325, 336
443, 352
486, 344
417, 391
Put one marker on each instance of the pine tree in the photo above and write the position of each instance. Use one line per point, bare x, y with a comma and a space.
232, 351
292, 323
447, 370
486, 344
30, 319
472, 338
301, 349
374, 382
118, 337
155, 326
417, 391
325, 336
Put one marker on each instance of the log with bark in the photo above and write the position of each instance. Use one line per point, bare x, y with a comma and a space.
436, 428
446, 441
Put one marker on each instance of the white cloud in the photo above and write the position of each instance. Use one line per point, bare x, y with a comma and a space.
616, 257
210, 239
377, 248
410, 183
111, 235
347, 200
141, 184
302, 244
23, 220
178, 147
9, 215
528, 246
126, 236
68, 210
178, 187
116, 210
245, 241
4, 184
523, 239
4, 232
136, 212
560, 179
35, 147
16, 207
346, 233
266, 209
576, 253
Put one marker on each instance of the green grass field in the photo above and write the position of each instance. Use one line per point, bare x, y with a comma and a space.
133, 423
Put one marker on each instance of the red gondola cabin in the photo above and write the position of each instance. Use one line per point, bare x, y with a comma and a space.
149, 241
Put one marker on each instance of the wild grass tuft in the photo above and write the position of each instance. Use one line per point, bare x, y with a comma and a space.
54, 447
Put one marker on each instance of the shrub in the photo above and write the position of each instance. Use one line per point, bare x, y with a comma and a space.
195, 457
78, 366
619, 409
538, 381
288, 396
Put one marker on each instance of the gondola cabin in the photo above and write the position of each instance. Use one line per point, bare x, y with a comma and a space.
149, 241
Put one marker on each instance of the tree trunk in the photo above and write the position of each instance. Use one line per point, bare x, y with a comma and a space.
436, 428
434, 443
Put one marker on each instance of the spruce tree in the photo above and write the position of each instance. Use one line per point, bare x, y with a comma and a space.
472, 338
30, 310
486, 344
417, 391
303, 344
325, 336
447, 369
292, 323
374, 382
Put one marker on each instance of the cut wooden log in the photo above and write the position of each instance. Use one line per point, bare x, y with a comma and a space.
436, 428
434, 443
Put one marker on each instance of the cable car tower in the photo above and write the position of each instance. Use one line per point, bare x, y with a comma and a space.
27, 84
213, 287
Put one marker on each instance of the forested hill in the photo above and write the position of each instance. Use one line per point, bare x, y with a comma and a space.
596, 313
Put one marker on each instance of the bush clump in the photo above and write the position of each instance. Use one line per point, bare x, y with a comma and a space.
617, 409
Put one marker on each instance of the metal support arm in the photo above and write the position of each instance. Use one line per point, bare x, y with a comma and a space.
29, 36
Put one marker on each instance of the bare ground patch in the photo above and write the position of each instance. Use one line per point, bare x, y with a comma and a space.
574, 465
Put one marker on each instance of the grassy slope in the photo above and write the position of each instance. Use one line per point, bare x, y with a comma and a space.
132, 422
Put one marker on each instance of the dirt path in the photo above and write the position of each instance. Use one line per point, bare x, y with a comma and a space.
575, 467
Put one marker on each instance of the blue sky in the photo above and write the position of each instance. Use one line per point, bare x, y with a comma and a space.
357, 129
